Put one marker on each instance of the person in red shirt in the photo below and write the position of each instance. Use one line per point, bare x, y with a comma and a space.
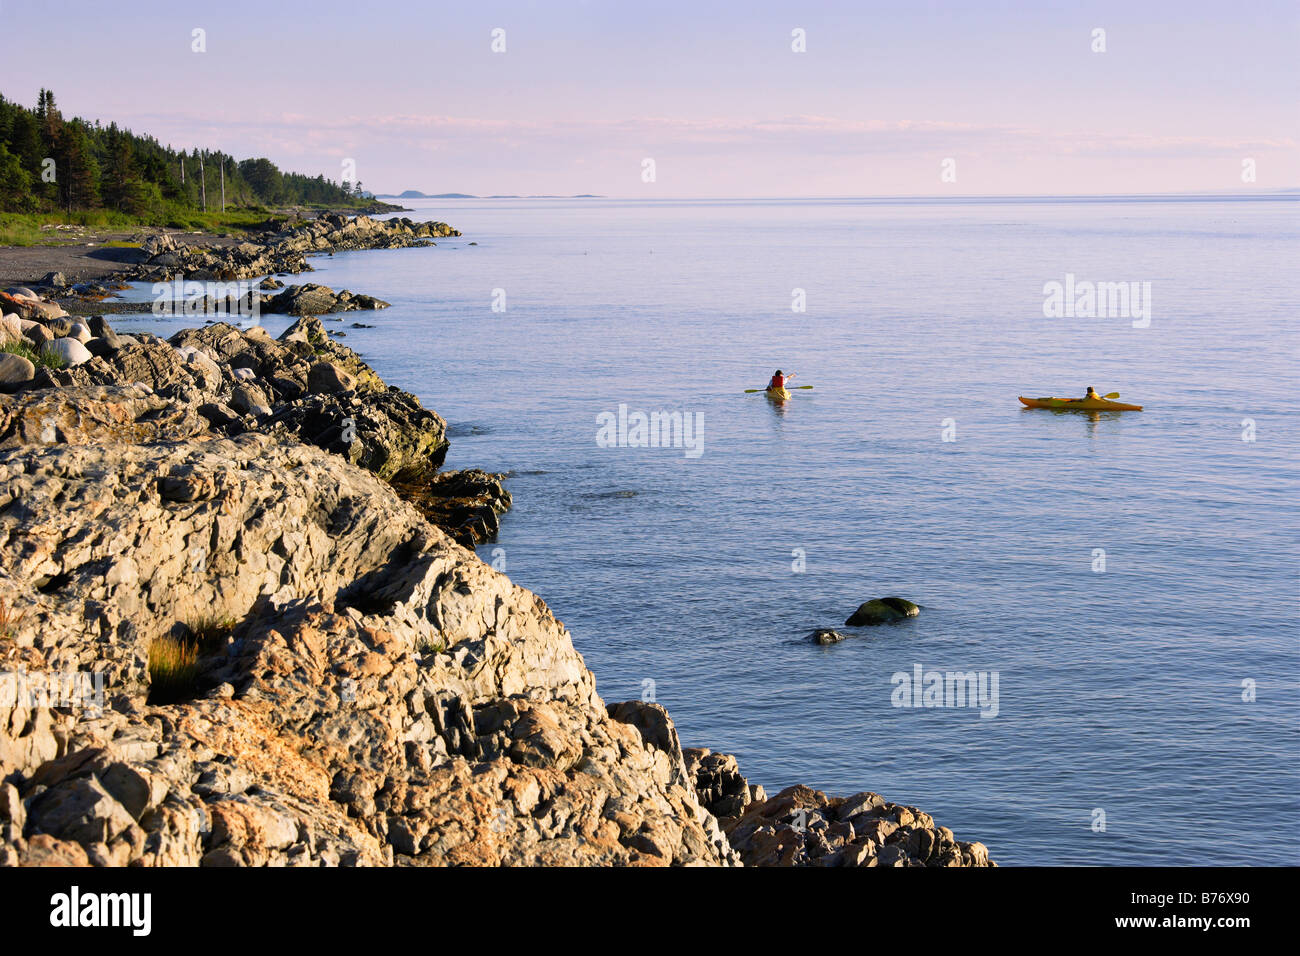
779, 380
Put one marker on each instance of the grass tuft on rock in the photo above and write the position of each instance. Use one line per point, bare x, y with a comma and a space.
209, 631
173, 669
45, 358
10, 621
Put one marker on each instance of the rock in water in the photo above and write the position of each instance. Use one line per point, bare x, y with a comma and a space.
824, 635
883, 611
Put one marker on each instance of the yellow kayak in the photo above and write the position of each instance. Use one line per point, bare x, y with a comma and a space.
1079, 404
778, 394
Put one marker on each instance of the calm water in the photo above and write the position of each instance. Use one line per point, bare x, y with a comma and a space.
1119, 691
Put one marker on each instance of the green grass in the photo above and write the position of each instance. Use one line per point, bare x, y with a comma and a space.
24, 229
427, 645
45, 358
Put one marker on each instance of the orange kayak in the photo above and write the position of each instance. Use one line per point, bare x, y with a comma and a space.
1079, 404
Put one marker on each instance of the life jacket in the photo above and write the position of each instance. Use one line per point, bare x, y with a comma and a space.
778, 381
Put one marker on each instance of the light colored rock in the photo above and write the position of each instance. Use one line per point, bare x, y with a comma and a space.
328, 378
15, 370
70, 350
336, 584
11, 329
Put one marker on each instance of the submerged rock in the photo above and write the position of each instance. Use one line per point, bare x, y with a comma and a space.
883, 611
825, 635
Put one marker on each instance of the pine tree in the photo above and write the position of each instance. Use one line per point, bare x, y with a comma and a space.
78, 173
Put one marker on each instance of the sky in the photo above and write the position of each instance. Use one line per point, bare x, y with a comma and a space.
907, 98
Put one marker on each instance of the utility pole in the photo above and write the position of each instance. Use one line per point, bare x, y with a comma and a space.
223, 184
182, 169
203, 183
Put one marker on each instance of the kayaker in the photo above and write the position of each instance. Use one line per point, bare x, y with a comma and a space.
1092, 393
779, 380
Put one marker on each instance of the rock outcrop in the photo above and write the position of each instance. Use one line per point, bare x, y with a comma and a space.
313, 299
804, 827
281, 247
381, 696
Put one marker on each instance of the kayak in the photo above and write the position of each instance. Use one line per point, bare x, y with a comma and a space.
778, 394
1079, 404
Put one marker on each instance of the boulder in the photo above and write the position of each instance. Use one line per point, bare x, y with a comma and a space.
328, 378
38, 335
314, 299
99, 326
70, 350
882, 611
15, 371
248, 399
11, 329
158, 244
100, 347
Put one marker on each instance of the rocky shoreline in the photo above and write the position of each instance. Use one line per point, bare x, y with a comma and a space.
241, 624
280, 248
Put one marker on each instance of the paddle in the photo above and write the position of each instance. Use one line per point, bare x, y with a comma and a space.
750, 391
1109, 395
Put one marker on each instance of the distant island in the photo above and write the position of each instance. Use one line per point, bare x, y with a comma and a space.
416, 194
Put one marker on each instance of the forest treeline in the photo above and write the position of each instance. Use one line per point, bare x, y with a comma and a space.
49, 163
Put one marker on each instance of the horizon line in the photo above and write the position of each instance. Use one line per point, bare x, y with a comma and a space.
1279, 193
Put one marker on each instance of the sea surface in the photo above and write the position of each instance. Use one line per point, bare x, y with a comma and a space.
1130, 579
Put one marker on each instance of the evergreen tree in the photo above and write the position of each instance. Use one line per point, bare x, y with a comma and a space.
141, 177
78, 173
